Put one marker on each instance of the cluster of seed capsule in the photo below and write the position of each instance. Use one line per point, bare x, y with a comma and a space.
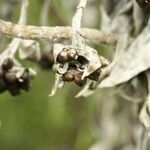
74, 72
9, 80
75, 66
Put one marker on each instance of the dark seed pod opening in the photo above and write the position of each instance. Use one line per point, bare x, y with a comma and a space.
82, 60
7, 64
72, 64
95, 75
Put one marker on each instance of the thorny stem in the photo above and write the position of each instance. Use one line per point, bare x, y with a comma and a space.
13, 46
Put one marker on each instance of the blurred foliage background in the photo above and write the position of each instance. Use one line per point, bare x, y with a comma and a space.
34, 121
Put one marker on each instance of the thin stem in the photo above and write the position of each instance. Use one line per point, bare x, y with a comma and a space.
77, 40
45, 12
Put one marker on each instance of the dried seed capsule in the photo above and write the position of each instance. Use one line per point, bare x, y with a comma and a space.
78, 78
10, 77
72, 55
69, 75
66, 55
47, 60
95, 75
143, 3
62, 57
7, 64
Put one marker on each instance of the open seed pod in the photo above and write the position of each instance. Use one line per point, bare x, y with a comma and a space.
14, 78
76, 65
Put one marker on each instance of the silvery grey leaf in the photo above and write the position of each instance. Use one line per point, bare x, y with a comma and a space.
134, 90
92, 56
138, 17
133, 61
105, 20
121, 24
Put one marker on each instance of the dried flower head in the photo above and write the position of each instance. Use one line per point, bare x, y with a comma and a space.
14, 77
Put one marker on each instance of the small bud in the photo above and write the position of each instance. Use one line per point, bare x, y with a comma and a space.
7, 64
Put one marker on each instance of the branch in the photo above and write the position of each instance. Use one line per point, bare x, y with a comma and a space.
52, 33
76, 21
77, 39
